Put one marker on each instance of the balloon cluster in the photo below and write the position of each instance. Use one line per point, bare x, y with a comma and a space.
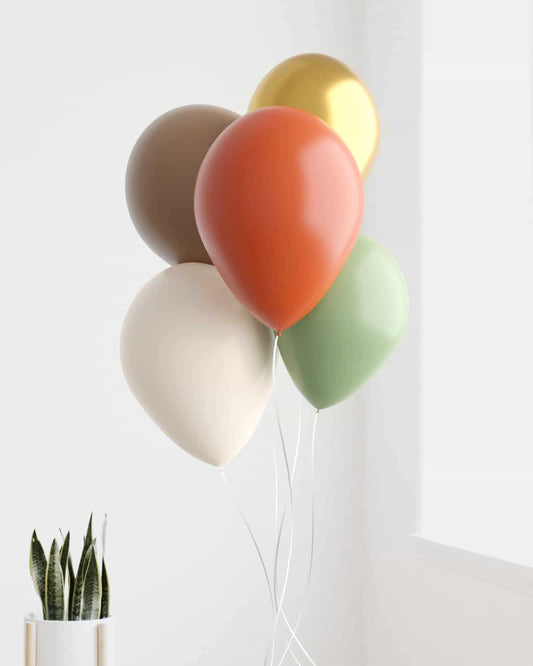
259, 216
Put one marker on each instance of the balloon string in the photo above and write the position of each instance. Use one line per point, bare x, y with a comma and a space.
280, 532
274, 456
251, 533
276, 492
291, 512
261, 559
275, 461
290, 476
297, 448
312, 548
277, 535
277, 610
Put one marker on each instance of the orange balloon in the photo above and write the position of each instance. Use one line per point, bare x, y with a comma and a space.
279, 204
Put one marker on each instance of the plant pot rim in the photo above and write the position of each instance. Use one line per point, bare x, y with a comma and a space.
34, 617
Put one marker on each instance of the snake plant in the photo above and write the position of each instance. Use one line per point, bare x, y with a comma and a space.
65, 593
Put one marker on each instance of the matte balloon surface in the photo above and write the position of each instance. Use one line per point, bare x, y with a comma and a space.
160, 179
330, 90
197, 362
345, 339
279, 204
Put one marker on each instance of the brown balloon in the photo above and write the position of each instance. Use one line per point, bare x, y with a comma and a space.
161, 175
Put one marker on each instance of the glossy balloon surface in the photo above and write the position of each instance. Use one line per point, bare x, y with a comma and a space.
160, 179
197, 362
332, 351
330, 90
279, 205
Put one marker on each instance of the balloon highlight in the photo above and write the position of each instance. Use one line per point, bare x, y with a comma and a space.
279, 204
332, 351
330, 90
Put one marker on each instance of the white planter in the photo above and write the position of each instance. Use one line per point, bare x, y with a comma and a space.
82, 643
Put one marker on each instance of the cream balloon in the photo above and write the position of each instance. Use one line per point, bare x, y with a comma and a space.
197, 361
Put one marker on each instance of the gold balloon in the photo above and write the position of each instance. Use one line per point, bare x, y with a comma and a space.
330, 90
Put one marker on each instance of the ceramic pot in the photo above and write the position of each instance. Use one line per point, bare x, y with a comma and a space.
81, 643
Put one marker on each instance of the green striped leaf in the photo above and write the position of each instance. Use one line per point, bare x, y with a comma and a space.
64, 555
54, 586
74, 607
88, 591
92, 590
75, 611
71, 585
89, 535
104, 609
38, 569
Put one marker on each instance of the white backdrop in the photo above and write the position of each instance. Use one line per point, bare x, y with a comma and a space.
477, 360
80, 83
422, 605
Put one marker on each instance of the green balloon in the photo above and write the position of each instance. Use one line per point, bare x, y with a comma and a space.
353, 329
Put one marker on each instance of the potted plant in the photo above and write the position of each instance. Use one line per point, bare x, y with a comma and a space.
73, 628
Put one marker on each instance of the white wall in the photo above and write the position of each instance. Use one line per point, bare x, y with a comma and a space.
477, 358
442, 609
79, 84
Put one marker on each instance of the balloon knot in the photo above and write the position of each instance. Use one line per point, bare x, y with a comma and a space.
279, 333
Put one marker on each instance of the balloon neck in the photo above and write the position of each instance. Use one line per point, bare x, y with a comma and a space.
279, 333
